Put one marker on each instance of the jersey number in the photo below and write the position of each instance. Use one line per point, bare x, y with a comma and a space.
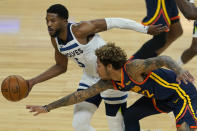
79, 63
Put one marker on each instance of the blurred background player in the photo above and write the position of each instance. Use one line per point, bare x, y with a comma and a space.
189, 53
78, 41
163, 12
188, 9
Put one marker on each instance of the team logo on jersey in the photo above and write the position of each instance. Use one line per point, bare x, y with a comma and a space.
74, 53
136, 89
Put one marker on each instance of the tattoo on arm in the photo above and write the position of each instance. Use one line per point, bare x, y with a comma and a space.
150, 64
157, 62
81, 95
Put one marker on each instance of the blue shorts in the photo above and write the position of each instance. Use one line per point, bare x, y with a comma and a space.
96, 100
184, 108
183, 105
161, 12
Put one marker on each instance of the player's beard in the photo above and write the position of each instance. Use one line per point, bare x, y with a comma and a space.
57, 32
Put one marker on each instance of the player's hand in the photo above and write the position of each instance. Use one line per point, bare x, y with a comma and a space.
37, 109
156, 29
184, 76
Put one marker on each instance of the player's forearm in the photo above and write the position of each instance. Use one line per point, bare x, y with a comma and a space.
169, 63
71, 99
125, 24
50, 73
80, 96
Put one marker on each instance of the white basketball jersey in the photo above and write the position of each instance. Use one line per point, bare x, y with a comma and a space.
84, 56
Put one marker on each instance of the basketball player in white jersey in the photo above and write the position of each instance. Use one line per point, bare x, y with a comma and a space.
78, 42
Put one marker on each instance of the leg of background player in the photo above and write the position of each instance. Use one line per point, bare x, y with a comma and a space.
189, 53
159, 43
175, 32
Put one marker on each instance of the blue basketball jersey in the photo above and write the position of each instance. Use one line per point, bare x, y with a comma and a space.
160, 84
83, 55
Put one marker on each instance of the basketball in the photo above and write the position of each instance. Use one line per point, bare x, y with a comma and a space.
14, 88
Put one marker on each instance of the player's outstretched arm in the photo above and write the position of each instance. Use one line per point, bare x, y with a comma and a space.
139, 67
73, 98
188, 9
85, 28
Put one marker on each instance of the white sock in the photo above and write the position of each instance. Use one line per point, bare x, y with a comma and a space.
116, 123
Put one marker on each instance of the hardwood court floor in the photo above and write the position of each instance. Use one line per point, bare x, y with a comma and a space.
26, 50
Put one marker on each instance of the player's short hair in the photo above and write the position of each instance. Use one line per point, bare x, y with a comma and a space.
111, 54
60, 10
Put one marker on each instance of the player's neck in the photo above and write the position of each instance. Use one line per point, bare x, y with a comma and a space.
116, 75
63, 34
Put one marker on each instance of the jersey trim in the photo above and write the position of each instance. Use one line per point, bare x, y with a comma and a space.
155, 106
82, 84
114, 85
161, 10
69, 47
155, 15
115, 98
139, 83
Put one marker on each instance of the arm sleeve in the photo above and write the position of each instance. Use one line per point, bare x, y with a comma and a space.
192, 1
125, 24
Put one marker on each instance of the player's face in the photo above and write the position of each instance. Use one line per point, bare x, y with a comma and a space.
102, 71
54, 24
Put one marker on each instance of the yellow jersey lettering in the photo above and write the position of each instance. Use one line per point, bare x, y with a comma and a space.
147, 93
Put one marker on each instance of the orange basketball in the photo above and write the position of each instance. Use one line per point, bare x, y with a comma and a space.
14, 88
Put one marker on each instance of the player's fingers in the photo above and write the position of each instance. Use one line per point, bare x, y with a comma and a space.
159, 25
36, 113
164, 28
178, 80
190, 76
28, 106
32, 110
185, 80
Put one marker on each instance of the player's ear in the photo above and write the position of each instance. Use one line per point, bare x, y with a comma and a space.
109, 67
65, 21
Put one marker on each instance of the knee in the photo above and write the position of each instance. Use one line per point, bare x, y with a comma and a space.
81, 121
175, 31
115, 123
179, 32
184, 127
79, 124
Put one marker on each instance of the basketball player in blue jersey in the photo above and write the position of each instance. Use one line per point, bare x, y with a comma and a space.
163, 90
163, 12
78, 42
